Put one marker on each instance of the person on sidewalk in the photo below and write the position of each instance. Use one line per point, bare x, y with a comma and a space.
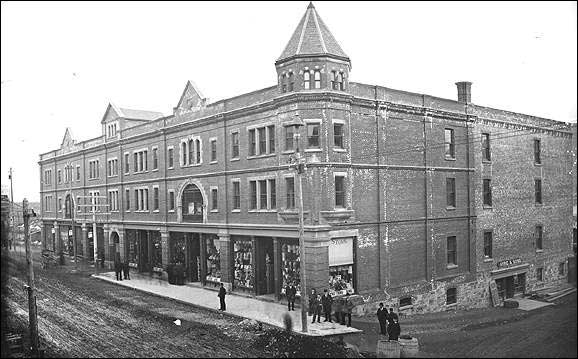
348, 309
316, 308
382, 317
392, 315
339, 315
118, 267
394, 329
291, 292
126, 270
327, 302
312, 298
221, 295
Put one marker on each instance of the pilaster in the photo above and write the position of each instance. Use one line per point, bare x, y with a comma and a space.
226, 261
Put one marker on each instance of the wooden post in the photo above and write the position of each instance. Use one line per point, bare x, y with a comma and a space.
33, 323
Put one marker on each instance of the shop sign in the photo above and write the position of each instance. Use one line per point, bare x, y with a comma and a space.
509, 262
340, 251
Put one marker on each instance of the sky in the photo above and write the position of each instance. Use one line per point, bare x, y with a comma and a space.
63, 62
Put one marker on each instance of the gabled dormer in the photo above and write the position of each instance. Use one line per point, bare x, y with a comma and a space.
191, 100
116, 119
67, 141
312, 60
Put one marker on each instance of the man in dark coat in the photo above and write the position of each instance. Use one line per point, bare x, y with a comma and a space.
126, 270
394, 329
118, 267
327, 302
392, 315
315, 306
312, 298
291, 292
221, 295
382, 317
348, 309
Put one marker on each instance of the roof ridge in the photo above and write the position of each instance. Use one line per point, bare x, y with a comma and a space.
319, 30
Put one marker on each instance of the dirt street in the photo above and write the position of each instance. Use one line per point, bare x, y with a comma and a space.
83, 317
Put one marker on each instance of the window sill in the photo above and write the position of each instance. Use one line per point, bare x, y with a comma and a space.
261, 156
235, 159
213, 162
450, 158
451, 306
171, 211
262, 211
170, 168
538, 204
156, 211
288, 152
487, 162
485, 206
539, 251
236, 211
538, 164
339, 149
308, 150
487, 260
91, 179
451, 266
214, 211
450, 208
155, 170
127, 173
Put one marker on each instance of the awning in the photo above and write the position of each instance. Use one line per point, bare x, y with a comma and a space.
340, 251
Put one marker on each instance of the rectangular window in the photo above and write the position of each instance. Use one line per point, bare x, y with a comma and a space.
126, 163
171, 201
538, 190
252, 143
59, 204
488, 244
127, 199
487, 192
191, 151
486, 154
235, 145
404, 302
135, 163
272, 194
155, 159
450, 144
289, 138
213, 150
313, 135
78, 173
339, 191
451, 192
538, 237
236, 195
171, 157
140, 162
263, 194
137, 205
253, 191
78, 207
155, 198
338, 135
214, 199
198, 148
317, 77
451, 250
537, 157
271, 134
540, 274
451, 296
60, 176
290, 191
262, 141
146, 160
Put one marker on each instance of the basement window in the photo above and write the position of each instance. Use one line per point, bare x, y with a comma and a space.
451, 296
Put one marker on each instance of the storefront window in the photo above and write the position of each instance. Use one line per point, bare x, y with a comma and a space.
341, 280
213, 260
178, 247
290, 265
157, 254
243, 264
132, 249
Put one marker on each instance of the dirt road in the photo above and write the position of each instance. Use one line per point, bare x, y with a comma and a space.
83, 317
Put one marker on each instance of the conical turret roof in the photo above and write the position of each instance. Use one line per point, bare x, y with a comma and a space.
312, 37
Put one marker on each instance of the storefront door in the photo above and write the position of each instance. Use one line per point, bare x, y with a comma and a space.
193, 254
265, 272
143, 248
505, 287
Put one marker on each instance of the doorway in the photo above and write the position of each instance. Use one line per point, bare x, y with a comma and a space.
511, 286
192, 257
265, 267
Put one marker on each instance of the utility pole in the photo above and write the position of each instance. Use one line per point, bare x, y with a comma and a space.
11, 241
33, 323
299, 164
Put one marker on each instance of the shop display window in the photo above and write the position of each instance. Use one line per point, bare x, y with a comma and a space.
213, 260
132, 250
157, 254
341, 280
178, 247
244, 262
290, 266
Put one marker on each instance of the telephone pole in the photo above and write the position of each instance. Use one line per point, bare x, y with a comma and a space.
32, 317
11, 241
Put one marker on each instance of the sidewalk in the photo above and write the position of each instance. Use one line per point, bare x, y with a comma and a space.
247, 307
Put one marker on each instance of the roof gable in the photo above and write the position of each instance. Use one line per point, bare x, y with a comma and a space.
191, 99
67, 141
312, 37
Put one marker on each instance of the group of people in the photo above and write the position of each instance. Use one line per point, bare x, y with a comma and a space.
343, 306
388, 322
121, 269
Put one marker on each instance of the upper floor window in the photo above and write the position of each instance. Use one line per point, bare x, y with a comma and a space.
486, 154
47, 176
236, 195
93, 167
450, 145
113, 200
252, 142
111, 129
537, 157
213, 150
487, 192
214, 199
283, 83
538, 190
155, 198
488, 244
271, 136
317, 77
262, 140
291, 82
59, 174
263, 194
451, 251
290, 192
337, 80
112, 167
451, 192
171, 200
127, 199
141, 161
171, 157
198, 151
126, 163
155, 158
338, 135
538, 237
191, 147
78, 173
289, 134
340, 191
306, 80
313, 130
235, 145
183, 153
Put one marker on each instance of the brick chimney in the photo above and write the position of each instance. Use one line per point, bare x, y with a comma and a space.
464, 91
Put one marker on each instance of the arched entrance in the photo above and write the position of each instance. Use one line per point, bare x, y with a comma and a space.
192, 204
114, 247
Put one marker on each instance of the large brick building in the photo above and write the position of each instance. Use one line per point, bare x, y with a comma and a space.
418, 201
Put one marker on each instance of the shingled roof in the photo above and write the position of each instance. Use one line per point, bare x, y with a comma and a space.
312, 37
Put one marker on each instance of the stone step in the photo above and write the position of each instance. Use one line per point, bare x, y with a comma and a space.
570, 291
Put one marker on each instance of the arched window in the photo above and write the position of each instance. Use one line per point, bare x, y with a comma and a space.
192, 204
183, 153
317, 79
191, 152
198, 148
291, 82
306, 80
283, 83
334, 84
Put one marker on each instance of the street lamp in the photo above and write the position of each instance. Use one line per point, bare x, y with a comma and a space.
299, 165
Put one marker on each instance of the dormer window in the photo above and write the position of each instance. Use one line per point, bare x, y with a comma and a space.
306, 80
283, 83
337, 80
317, 77
291, 82
111, 130
340, 81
